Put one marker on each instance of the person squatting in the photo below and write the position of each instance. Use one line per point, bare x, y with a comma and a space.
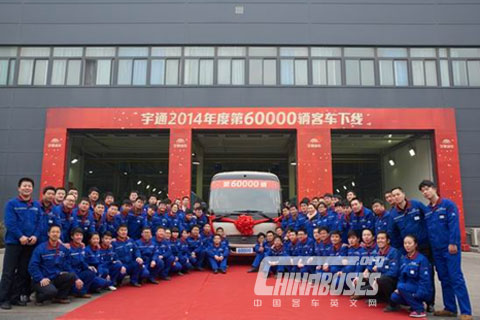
403, 244
63, 246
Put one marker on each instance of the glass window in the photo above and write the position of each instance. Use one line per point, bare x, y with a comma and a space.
294, 72
35, 52
198, 72
326, 72
359, 52
66, 72
73, 75
294, 52
473, 73
360, 72
444, 74
67, 52
326, 52
206, 72
98, 72
25, 72
33, 72
8, 51
262, 51
431, 73
40, 72
231, 51
191, 71
401, 73
231, 71
459, 69
393, 72
386, 72
171, 75
103, 72
7, 69
59, 70
263, 71
424, 72
157, 72
392, 52
199, 51
442, 53
166, 51
132, 52
367, 72
423, 53
287, 72
132, 71
465, 52
269, 72
100, 52
164, 72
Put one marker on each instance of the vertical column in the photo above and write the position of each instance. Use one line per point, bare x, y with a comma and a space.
291, 174
54, 157
448, 173
199, 186
314, 162
179, 163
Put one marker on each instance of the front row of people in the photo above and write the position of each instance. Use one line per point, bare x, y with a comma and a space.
59, 270
404, 278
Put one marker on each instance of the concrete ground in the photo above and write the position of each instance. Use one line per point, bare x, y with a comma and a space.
470, 263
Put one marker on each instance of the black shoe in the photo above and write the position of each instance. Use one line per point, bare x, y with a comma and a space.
252, 270
430, 308
136, 284
167, 278
153, 281
199, 268
180, 273
215, 271
19, 303
223, 271
25, 298
6, 305
391, 308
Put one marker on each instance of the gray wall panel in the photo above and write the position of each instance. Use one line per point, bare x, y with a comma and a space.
288, 22
25, 163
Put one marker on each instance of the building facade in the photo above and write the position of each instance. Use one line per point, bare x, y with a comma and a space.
357, 57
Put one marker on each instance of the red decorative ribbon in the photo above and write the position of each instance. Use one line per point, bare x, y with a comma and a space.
244, 223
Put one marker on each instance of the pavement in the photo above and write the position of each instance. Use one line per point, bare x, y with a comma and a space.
471, 271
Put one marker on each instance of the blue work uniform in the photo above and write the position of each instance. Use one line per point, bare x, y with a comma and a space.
127, 252
364, 219
410, 220
442, 222
414, 283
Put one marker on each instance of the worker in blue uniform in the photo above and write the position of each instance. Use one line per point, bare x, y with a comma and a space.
442, 222
414, 285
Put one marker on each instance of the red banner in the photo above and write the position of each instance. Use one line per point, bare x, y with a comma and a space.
244, 184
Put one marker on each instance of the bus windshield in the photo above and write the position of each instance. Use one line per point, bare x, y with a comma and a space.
245, 196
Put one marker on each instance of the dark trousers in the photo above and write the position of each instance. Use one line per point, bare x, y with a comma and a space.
15, 277
59, 287
386, 286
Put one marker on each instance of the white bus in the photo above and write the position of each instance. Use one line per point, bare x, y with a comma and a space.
236, 193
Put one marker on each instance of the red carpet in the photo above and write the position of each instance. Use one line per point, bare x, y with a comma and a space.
204, 295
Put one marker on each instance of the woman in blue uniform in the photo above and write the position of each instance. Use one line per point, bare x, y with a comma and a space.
414, 285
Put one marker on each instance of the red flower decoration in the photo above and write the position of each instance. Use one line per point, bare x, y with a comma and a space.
245, 224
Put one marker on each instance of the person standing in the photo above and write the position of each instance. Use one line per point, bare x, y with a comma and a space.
22, 218
444, 235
